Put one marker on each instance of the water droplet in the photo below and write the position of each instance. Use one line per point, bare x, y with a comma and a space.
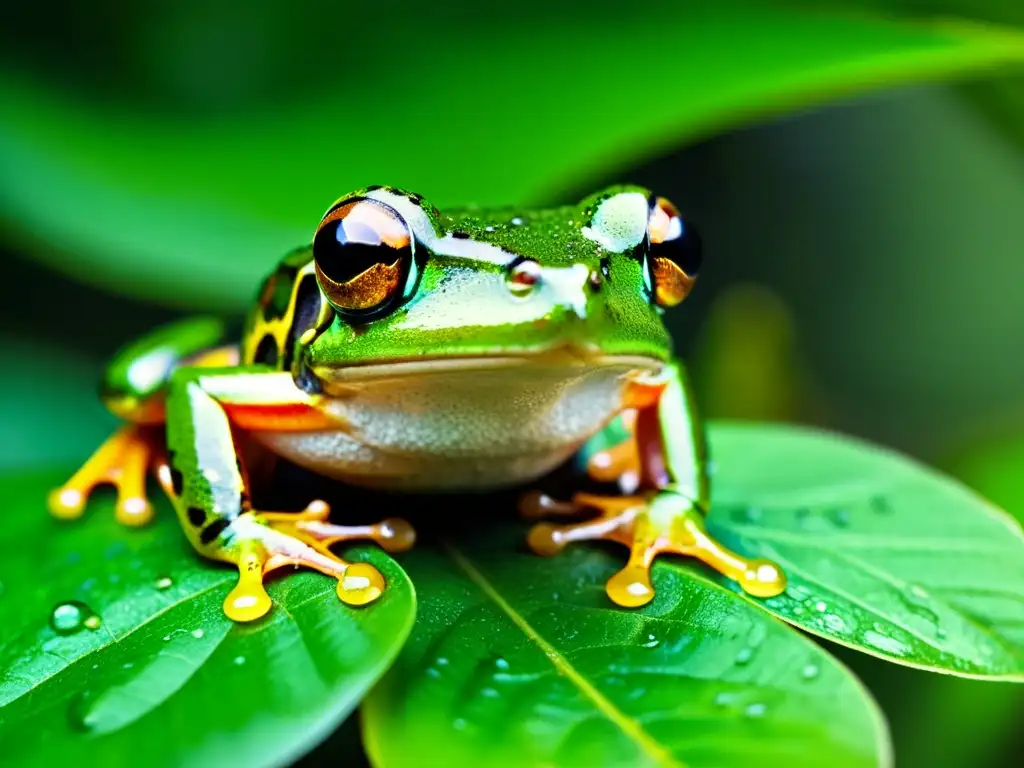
459, 724
441, 661
724, 698
810, 671
841, 517
433, 672
821, 606
797, 592
516, 221
490, 693
167, 638
197, 633
652, 642
835, 623
164, 582
918, 591
940, 632
885, 643
239, 660
755, 710
501, 664
745, 655
72, 616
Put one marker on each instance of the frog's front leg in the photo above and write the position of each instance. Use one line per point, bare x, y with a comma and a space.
207, 483
666, 514
134, 389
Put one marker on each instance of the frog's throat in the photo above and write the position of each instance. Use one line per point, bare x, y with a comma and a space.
641, 367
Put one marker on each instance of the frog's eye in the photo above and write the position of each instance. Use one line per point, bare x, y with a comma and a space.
364, 257
675, 253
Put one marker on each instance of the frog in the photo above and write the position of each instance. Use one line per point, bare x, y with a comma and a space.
424, 351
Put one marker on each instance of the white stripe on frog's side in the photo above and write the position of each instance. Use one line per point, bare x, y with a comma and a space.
456, 247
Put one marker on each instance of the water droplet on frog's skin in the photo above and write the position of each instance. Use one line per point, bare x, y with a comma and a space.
197, 633
500, 663
744, 656
73, 616
164, 582
755, 710
810, 671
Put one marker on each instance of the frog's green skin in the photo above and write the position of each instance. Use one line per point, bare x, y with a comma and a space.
465, 384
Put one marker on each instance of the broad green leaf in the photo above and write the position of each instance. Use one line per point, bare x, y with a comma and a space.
882, 553
519, 660
192, 208
163, 674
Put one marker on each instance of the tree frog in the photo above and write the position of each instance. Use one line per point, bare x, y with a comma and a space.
417, 350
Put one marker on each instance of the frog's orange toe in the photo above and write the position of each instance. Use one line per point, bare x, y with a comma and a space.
122, 461
656, 523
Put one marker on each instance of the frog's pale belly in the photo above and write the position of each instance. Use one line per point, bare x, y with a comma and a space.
458, 429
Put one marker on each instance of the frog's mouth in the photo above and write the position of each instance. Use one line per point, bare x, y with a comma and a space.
572, 357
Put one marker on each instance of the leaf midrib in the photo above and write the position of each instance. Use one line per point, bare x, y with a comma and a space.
630, 727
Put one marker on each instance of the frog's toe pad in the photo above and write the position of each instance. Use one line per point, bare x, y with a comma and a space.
122, 461
360, 584
650, 525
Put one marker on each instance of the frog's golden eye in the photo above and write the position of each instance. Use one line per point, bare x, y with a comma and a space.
675, 253
363, 252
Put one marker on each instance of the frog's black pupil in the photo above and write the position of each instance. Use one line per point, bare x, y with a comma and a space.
685, 251
345, 249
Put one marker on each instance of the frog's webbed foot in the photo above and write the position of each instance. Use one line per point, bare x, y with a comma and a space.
650, 524
261, 542
122, 461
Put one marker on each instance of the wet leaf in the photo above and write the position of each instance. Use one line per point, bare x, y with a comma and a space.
520, 660
882, 553
115, 646
192, 208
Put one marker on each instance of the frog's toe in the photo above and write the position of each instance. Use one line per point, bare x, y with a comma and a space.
122, 461
650, 525
263, 542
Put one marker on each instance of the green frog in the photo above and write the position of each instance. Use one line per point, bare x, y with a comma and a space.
417, 350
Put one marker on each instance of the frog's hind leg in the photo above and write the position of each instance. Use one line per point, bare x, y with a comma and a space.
209, 487
134, 388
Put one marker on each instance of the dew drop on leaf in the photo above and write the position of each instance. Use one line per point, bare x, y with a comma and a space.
885, 643
239, 660
755, 710
164, 582
810, 671
197, 633
745, 655
500, 663
73, 616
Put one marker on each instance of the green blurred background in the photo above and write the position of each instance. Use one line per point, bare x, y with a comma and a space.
864, 259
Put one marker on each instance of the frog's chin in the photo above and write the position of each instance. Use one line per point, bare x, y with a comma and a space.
567, 356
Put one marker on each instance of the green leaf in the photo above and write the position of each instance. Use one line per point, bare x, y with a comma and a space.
192, 208
520, 660
164, 674
882, 553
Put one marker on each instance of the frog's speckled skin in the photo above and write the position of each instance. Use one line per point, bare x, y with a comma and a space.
492, 345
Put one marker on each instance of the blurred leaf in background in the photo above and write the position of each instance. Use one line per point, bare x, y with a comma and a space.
169, 193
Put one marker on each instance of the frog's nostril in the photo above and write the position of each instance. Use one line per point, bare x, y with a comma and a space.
523, 278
